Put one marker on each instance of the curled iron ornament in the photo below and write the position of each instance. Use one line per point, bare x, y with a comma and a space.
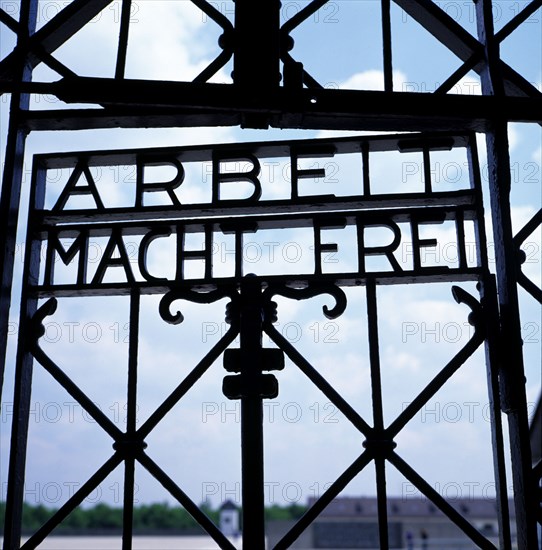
191, 296
35, 325
476, 316
310, 292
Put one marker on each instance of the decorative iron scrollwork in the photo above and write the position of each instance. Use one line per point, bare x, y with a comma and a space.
191, 296
311, 291
36, 326
475, 317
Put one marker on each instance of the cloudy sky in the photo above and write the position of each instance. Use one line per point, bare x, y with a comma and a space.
308, 442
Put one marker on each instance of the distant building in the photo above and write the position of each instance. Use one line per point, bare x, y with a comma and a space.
228, 519
352, 522
413, 523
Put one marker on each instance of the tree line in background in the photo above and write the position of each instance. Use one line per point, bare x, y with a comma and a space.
147, 517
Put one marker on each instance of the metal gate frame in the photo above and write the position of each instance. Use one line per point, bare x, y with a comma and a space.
258, 99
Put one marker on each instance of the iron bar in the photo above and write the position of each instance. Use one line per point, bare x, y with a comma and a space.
131, 421
23, 362
409, 112
435, 384
523, 280
316, 148
73, 17
128, 503
530, 287
75, 500
512, 373
458, 74
440, 379
323, 108
19, 437
366, 171
378, 414
226, 40
511, 369
317, 508
374, 356
340, 279
196, 373
302, 213
122, 50
488, 292
185, 501
318, 380
54, 64
440, 501
73, 389
382, 502
443, 27
13, 176
252, 457
7, 20
387, 45
517, 20
256, 52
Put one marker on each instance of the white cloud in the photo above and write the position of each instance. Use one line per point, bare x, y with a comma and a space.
373, 80
172, 41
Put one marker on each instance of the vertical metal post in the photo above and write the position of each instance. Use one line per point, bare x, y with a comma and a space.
488, 295
378, 413
13, 176
257, 54
131, 421
386, 45
511, 371
23, 375
251, 318
489, 300
256, 60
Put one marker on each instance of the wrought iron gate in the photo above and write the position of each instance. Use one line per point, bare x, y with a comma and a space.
270, 89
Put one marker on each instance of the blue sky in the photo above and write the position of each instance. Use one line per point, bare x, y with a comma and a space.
308, 442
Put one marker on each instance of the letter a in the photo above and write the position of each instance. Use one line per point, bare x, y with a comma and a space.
72, 188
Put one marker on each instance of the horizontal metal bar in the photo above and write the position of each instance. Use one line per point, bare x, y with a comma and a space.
437, 275
313, 148
270, 214
136, 103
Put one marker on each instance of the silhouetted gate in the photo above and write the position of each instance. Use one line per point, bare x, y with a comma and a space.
60, 235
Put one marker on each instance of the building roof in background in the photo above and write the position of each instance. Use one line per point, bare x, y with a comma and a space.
228, 505
409, 507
